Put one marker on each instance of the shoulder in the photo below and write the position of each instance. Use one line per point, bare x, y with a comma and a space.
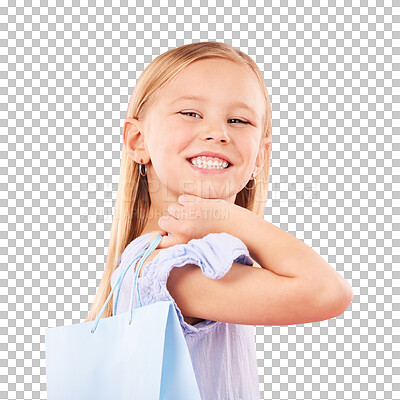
186, 271
134, 247
149, 259
213, 253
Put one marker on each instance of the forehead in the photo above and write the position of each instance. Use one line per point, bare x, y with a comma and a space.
214, 81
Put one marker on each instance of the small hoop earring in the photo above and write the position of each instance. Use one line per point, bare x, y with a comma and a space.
140, 168
255, 181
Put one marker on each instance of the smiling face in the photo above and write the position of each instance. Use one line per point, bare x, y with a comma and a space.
167, 138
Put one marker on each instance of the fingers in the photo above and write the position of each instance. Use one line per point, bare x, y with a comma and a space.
188, 197
164, 243
155, 233
175, 210
169, 241
168, 223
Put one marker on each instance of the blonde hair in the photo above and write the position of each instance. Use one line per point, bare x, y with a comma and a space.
133, 202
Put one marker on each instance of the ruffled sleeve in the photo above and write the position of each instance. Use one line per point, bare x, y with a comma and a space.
214, 254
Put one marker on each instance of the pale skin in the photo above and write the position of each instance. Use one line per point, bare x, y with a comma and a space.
194, 205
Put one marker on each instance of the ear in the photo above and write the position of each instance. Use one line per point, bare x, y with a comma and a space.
134, 140
264, 149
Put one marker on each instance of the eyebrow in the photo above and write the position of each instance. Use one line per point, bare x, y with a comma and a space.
203, 99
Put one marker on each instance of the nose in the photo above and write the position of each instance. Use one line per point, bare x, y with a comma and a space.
217, 134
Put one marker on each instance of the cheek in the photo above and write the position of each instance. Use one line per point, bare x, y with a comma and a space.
179, 137
249, 151
170, 141
248, 147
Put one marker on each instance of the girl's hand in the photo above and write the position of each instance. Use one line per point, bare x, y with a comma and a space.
155, 233
193, 217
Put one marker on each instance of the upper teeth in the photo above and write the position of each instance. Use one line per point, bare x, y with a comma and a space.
206, 162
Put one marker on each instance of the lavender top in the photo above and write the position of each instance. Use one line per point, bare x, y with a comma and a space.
223, 355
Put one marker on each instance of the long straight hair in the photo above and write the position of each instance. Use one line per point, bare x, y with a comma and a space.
133, 201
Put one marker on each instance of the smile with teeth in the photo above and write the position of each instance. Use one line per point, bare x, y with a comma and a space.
209, 162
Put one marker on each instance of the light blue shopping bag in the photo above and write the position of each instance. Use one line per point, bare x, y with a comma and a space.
141, 354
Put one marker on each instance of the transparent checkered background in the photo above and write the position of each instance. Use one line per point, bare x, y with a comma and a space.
332, 70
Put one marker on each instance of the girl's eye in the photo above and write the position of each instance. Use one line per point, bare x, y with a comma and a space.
243, 122
232, 119
187, 113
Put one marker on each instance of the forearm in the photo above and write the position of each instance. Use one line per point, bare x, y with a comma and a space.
279, 251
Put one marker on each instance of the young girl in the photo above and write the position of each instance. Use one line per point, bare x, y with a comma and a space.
196, 136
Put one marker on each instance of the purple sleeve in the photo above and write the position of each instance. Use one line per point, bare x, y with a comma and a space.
214, 254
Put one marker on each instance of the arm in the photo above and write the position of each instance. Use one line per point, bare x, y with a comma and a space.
314, 283
281, 253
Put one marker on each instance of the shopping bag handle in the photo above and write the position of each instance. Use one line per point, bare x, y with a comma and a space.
145, 253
